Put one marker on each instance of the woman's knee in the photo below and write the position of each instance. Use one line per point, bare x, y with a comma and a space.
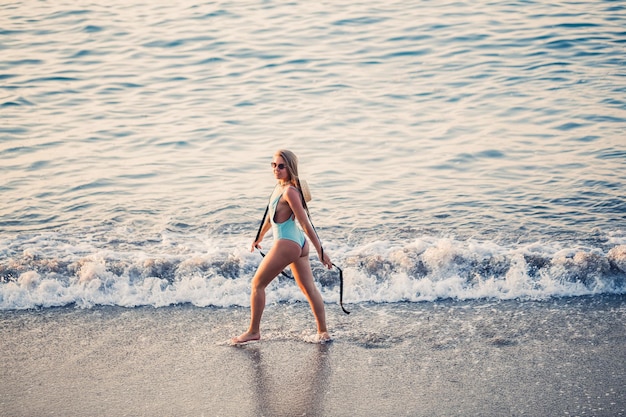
261, 280
307, 284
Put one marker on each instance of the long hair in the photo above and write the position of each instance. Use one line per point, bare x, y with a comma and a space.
291, 162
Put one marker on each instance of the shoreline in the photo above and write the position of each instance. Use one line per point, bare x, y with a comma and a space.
558, 357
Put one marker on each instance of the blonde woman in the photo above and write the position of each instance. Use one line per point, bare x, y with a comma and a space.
290, 248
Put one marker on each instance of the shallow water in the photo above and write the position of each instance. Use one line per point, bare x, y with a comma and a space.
454, 149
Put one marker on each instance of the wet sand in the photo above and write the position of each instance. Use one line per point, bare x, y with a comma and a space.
553, 358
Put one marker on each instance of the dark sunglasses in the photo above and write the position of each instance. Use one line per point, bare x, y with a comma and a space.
279, 166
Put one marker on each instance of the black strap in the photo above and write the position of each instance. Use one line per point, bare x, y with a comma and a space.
341, 289
258, 234
306, 208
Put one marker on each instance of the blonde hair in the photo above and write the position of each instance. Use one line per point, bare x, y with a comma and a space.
291, 162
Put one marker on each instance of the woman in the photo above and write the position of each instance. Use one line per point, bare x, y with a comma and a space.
290, 248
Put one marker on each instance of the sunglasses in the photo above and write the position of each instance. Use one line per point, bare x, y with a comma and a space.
279, 166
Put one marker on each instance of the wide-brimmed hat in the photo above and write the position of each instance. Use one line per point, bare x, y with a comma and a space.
306, 192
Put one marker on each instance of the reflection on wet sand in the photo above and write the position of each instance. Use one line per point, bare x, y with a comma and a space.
289, 387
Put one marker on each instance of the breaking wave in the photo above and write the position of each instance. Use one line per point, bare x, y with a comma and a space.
424, 269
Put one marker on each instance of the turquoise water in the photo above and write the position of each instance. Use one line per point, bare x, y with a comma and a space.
454, 150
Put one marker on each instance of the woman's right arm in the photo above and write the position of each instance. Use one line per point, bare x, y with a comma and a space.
266, 227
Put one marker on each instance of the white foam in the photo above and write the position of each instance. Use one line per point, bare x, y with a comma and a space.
206, 274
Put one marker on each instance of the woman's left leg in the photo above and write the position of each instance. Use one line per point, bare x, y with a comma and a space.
303, 275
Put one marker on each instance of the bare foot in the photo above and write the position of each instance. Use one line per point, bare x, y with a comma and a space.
324, 337
246, 337
319, 338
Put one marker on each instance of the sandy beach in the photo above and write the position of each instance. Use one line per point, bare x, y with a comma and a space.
564, 357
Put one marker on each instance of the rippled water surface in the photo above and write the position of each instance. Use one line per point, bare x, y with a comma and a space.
134, 130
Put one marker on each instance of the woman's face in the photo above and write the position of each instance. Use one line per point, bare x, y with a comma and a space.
280, 174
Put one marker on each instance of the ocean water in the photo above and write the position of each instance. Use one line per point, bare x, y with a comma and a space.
455, 150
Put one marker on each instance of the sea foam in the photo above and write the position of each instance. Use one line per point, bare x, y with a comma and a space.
423, 269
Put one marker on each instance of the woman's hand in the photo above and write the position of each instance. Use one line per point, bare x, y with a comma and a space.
326, 261
256, 244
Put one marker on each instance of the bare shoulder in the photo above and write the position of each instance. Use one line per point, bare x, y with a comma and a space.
292, 195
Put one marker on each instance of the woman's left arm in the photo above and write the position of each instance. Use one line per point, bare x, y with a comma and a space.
294, 199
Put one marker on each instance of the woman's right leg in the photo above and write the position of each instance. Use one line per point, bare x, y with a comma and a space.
283, 253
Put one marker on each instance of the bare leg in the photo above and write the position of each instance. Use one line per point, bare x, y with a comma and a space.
301, 269
282, 254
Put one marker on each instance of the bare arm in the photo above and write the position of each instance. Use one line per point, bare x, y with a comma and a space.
264, 230
293, 198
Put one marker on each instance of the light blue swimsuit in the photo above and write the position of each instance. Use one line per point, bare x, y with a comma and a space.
287, 229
